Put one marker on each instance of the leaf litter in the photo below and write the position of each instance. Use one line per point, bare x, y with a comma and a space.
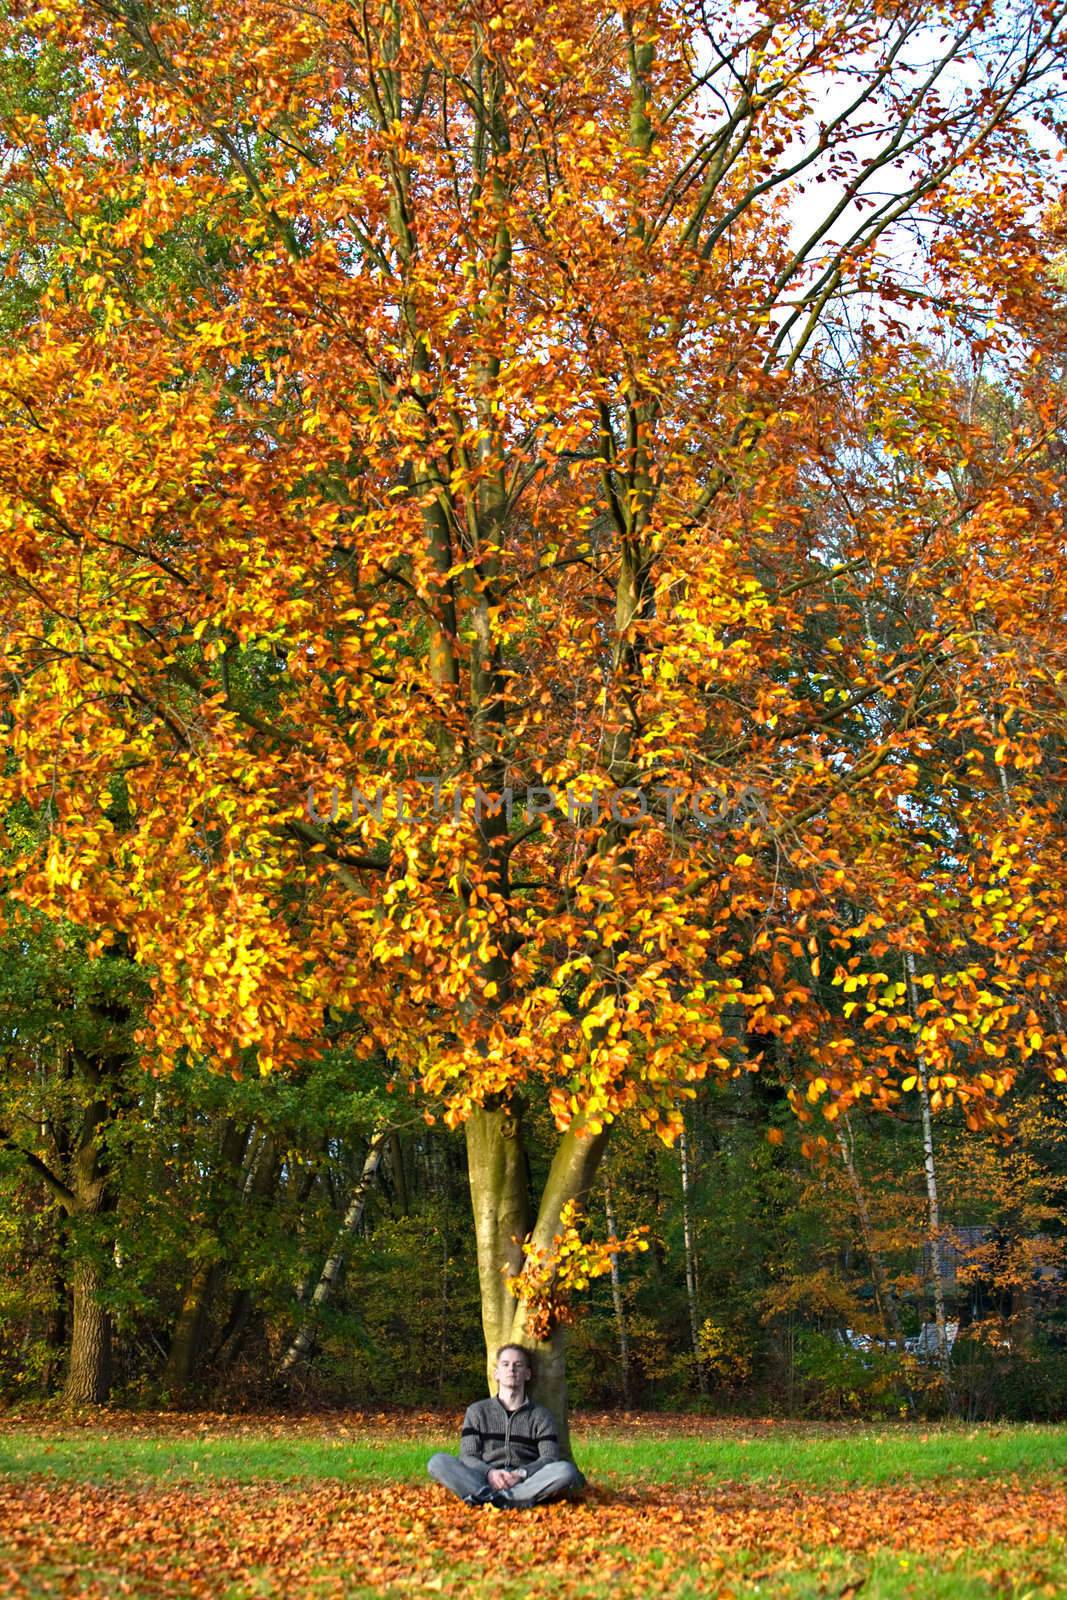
331, 1540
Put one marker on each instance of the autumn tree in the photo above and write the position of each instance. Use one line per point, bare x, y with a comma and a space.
426, 403
65, 1025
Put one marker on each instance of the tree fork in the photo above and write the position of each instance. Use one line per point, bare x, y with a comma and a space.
496, 1166
570, 1178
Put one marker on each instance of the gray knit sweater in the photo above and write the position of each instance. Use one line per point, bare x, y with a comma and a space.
502, 1438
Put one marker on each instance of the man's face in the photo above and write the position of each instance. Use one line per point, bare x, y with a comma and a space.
512, 1369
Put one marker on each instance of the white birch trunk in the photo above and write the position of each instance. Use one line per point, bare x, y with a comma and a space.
690, 1263
301, 1345
616, 1300
933, 1208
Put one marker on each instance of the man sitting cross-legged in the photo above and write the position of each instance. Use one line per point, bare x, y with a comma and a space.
509, 1452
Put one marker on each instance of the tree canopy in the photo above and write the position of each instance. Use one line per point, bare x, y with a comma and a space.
646, 414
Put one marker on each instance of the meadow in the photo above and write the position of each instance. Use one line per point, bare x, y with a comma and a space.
334, 1507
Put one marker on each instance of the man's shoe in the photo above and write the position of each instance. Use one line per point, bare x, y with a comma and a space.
481, 1497
501, 1499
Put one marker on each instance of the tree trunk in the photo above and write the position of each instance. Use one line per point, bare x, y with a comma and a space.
496, 1167
89, 1374
301, 1346
91, 1195
442, 1331
616, 1300
232, 1336
256, 1179
55, 1336
496, 1161
398, 1174
548, 1358
190, 1329
690, 1264
187, 1341
933, 1207
312, 1176
883, 1289
86, 1191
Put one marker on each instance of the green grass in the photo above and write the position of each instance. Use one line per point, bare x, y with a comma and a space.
876, 1455
998, 1571
995, 1573
847, 1456
1007, 1573
241, 1460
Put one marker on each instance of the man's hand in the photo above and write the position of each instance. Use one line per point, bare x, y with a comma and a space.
501, 1478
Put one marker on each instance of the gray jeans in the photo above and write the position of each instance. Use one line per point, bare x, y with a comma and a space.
467, 1475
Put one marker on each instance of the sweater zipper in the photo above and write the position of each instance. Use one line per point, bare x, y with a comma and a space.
510, 1417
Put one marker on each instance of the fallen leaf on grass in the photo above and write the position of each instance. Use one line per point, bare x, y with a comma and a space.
201, 1542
